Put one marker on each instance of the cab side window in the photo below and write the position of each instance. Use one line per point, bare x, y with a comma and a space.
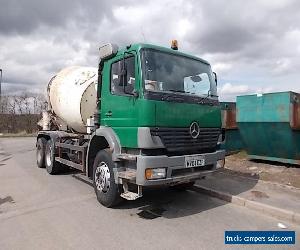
119, 80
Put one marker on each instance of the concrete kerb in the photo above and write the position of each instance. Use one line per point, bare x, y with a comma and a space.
275, 212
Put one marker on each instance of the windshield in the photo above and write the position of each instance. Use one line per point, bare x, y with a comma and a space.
164, 72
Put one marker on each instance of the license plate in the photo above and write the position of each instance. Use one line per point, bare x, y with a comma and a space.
194, 161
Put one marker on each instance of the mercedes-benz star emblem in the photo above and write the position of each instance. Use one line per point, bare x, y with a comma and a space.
194, 130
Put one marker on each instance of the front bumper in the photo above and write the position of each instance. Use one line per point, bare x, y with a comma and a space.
176, 170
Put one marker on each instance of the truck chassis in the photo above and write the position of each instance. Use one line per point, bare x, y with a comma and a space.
58, 149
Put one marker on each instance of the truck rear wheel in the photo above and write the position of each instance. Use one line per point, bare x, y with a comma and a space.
40, 152
51, 165
107, 191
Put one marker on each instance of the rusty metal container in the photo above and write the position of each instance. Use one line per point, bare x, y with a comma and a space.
270, 126
233, 139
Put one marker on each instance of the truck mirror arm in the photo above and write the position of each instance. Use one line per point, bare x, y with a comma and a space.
216, 78
134, 93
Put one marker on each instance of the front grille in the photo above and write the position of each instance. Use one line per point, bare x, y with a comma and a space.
180, 139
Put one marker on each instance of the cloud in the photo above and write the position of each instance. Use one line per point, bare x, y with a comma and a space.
23, 17
229, 88
221, 67
229, 91
256, 43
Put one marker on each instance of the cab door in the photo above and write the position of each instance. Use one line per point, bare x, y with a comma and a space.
119, 105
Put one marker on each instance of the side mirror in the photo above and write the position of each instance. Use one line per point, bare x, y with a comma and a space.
135, 93
122, 78
123, 81
216, 77
122, 74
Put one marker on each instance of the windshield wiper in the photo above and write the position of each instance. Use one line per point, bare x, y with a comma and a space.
205, 98
169, 96
180, 91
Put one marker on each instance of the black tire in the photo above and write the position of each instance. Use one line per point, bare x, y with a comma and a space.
107, 191
40, 152
183, 186
52, 166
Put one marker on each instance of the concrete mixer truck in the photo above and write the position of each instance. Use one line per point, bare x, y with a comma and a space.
146, 116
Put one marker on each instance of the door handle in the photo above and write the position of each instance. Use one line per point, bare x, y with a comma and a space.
108, 114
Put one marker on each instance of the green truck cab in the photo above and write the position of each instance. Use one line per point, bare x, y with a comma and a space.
157, 123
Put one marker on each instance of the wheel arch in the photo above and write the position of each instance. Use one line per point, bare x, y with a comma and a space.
42, 135
104, 137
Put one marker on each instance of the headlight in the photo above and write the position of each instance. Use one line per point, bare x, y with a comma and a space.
155, 173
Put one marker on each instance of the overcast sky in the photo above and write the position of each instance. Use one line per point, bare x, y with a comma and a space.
254, 46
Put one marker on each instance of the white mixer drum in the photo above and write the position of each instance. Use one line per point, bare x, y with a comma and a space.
73, 95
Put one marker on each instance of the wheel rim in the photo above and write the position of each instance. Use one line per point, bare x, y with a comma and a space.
48, 157
102, 177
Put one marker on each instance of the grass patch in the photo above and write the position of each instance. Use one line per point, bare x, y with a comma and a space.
19, 134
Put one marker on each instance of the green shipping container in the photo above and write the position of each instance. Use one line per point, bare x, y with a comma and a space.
233, 139
270, 126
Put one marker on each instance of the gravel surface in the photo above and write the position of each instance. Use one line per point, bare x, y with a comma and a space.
285, 174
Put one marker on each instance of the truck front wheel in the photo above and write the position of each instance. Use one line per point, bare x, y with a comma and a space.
107, 191
40, 152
